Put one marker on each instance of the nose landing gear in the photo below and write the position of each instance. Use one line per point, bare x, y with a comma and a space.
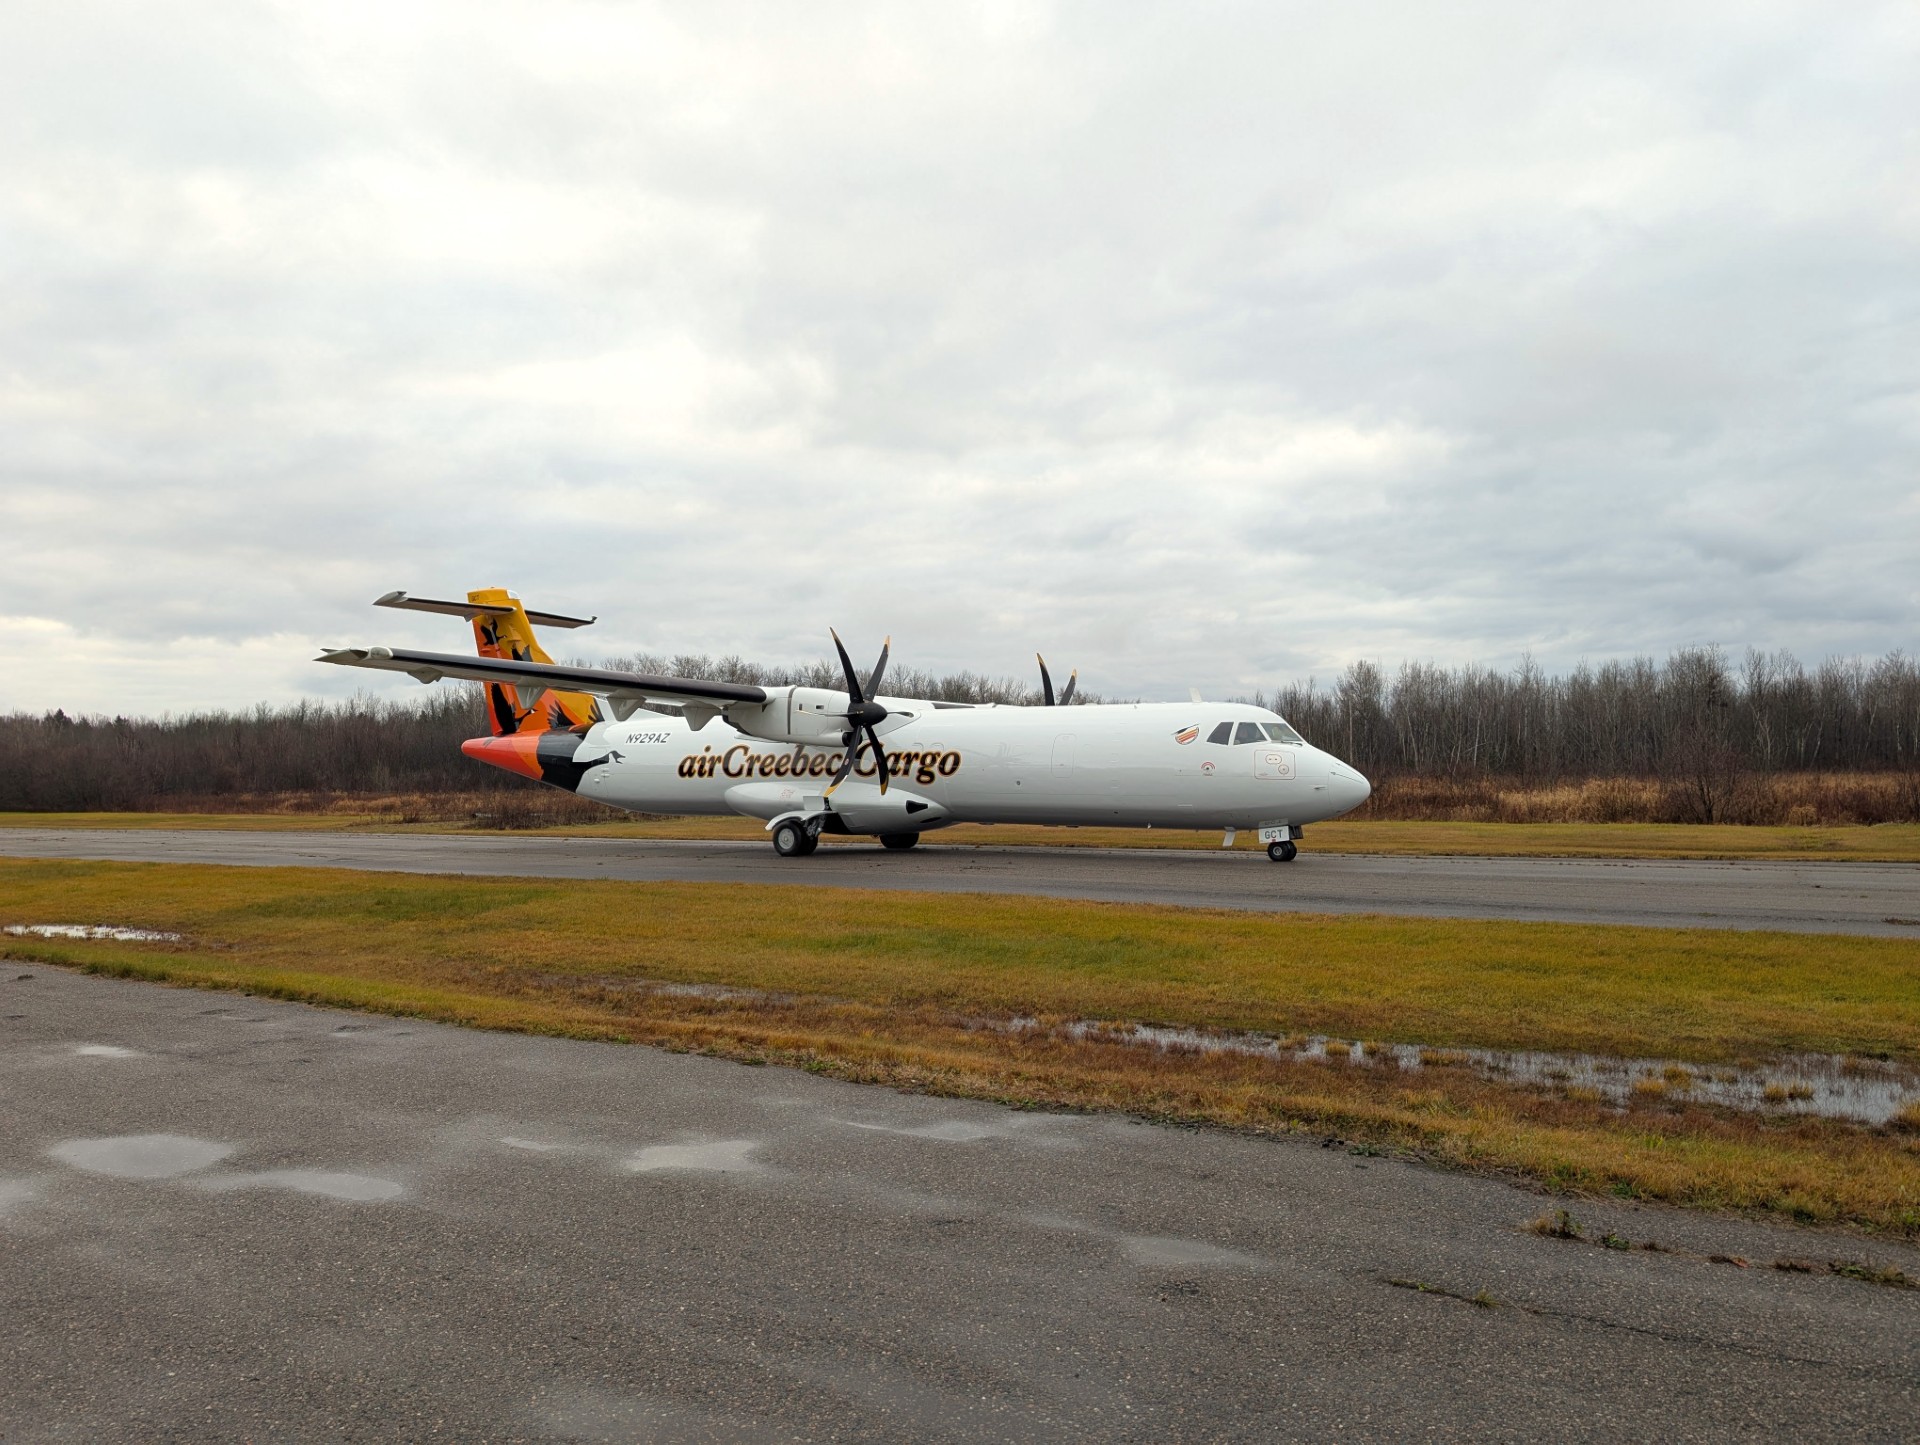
1283, 851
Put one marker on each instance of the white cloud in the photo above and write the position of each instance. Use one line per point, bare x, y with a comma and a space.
1202, 346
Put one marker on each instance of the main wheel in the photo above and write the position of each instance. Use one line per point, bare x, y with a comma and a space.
899, 842
1284, 851
793, 840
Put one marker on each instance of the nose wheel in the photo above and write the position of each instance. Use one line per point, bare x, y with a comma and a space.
1285, 851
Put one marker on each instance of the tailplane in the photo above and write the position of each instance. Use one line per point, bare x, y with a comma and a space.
503, 627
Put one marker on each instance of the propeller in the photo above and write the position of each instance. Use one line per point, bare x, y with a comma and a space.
862, 713
1046, 684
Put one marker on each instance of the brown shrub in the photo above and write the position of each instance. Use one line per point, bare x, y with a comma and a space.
1802, 800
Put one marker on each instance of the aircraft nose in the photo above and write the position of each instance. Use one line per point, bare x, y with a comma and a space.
1350, 786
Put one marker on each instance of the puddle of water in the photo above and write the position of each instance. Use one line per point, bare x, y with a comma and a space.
704, 990
105, 1051
141, 1156
617, 983
354, 1188
1867, 1091
1834, 1086
90, 930
727, 1156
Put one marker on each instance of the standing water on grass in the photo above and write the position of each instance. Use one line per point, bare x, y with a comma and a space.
1832, 1086
90, 930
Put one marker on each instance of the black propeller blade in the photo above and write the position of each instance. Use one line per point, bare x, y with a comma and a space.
1046, 684
862, 714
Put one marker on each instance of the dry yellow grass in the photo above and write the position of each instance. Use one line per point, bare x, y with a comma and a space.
1798, 799
1884, 843
892, 988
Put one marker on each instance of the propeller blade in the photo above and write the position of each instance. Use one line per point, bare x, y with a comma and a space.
862, 713
1046, 679
1073, 681
852, 759
846, 668
846, 768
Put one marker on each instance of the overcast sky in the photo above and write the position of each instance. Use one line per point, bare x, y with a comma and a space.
1193, 344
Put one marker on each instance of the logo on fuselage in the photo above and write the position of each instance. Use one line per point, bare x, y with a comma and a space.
1186, 735
741, 761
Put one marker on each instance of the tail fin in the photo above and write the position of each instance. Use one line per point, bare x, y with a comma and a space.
501, 628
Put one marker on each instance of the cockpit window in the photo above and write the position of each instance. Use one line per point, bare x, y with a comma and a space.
1247, 733
1221, 734
1281, 733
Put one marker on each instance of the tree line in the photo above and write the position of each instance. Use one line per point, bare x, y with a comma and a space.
1638, 718
1697, 720
57, 763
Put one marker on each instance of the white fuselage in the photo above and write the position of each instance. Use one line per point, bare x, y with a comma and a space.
1123, 765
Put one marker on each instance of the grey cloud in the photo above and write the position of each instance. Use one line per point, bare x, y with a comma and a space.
1200, 347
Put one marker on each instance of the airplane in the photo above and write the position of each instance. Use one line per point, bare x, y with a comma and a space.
811, 761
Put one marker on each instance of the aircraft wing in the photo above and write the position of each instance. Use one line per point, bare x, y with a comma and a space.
625, 687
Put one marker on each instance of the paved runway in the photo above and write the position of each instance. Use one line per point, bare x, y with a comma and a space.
1872, 898
222, 1218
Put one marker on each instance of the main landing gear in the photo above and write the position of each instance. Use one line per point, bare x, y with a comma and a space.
1284, 851
794, 839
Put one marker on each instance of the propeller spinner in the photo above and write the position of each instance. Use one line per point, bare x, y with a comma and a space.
1046, 684
863, 713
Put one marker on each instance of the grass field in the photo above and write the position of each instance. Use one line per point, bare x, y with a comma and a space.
1884, 843
907, 989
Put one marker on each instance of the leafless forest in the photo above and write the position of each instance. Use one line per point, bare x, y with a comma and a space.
1698, 738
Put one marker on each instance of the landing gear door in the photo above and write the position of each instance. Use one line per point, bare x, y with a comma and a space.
1273, 763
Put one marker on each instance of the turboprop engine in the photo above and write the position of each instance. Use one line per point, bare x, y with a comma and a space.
813, 715
819, 715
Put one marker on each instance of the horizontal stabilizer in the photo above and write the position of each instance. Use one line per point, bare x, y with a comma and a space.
534, 676
471, 610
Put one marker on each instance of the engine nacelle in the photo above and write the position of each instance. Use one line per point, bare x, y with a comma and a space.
814, 715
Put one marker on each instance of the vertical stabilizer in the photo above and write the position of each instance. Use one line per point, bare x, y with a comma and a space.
501, 629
